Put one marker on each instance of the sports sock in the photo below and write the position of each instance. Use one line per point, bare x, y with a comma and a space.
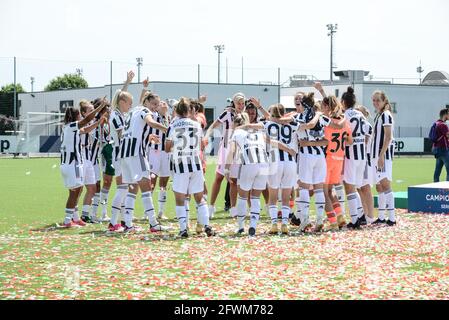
337, 209
390, 206
86, 210
148, 206
68, 215
117, 203
360, 211
104, 195
241, 211
181, 214
129, 209
187, 206
298, 208
320, 203
332, 217
340, 192
352, 203
255, 212
304, 204
382, 206
76, 215
203, 214
95, 204
273, 214
162, 201
285, 214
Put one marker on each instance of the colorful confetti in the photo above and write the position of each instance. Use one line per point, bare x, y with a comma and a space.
409, 261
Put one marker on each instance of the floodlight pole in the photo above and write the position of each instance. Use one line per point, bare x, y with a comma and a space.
139, 64
332, 30
219, 48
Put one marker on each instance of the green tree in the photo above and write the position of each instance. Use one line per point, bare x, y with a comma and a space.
67, 81
9, 88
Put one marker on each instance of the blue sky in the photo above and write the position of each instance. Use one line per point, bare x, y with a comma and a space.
53, 37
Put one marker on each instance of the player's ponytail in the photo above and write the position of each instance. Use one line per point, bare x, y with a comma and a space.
277, 111
183, 107
349, 98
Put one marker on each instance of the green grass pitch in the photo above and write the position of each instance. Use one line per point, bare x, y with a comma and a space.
39, 261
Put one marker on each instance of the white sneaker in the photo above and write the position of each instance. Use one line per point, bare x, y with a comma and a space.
211, 212
105, 218
162, 216
304, 225
158, 228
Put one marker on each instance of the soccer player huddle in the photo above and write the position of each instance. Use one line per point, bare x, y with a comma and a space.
326, 150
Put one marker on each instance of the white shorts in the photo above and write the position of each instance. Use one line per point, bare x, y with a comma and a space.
97, 172
72, 174
353, 172
283, 175
159, 163
312, 169
253, 177
134, 169
368, 177
117, 164
386, 173
188, 183
221, 164
89, 173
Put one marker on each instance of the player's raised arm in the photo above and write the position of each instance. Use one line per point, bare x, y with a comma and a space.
154, 124
146, 83
318, 86
129, 78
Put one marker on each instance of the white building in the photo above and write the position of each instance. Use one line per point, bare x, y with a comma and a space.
415, 107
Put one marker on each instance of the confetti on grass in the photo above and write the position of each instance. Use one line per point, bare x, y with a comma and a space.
409, 261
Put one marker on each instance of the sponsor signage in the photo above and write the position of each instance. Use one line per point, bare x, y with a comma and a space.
429, 198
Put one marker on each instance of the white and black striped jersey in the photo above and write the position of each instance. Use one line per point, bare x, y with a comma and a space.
227, 121
383, 120
96, 145
315, 134
136, 132
86, 143
369, 134
287, 134
117, 125
71, 144
186, 135
360, 128
252, 145
161, 135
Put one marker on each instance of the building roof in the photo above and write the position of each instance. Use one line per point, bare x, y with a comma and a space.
436, 78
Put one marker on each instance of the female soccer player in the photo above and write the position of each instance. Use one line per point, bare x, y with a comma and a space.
225, 120
251, 145
365, 191
184, 139
72, 161
335, 156
134, 162
382, 154
282, 164
355, 161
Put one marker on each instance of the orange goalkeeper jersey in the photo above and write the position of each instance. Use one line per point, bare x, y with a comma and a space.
337, 140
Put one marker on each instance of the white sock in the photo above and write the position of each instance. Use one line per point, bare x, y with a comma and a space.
117, 203
162, 201
76, 215
187, 206
273, 214
320, 203
340, 192
69, 215
95, 204
285, 214
304, 204
86, 210
241, 209
298, 208
382, 206
390, 206
104, 196
255, 212
129, 209
369, 220
360, 211
203, 214
148, 206
234, 212
211, 211
353, 205
182, 217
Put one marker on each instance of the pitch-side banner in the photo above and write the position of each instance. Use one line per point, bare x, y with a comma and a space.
409, 145
8, 144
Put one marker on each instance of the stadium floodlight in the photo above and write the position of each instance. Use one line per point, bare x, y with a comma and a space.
219, 48
139, 64
420, 70
332, 30
32, 84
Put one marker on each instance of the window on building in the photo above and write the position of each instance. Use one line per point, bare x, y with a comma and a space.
393, 107
447, 106
64, 105
210, 115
